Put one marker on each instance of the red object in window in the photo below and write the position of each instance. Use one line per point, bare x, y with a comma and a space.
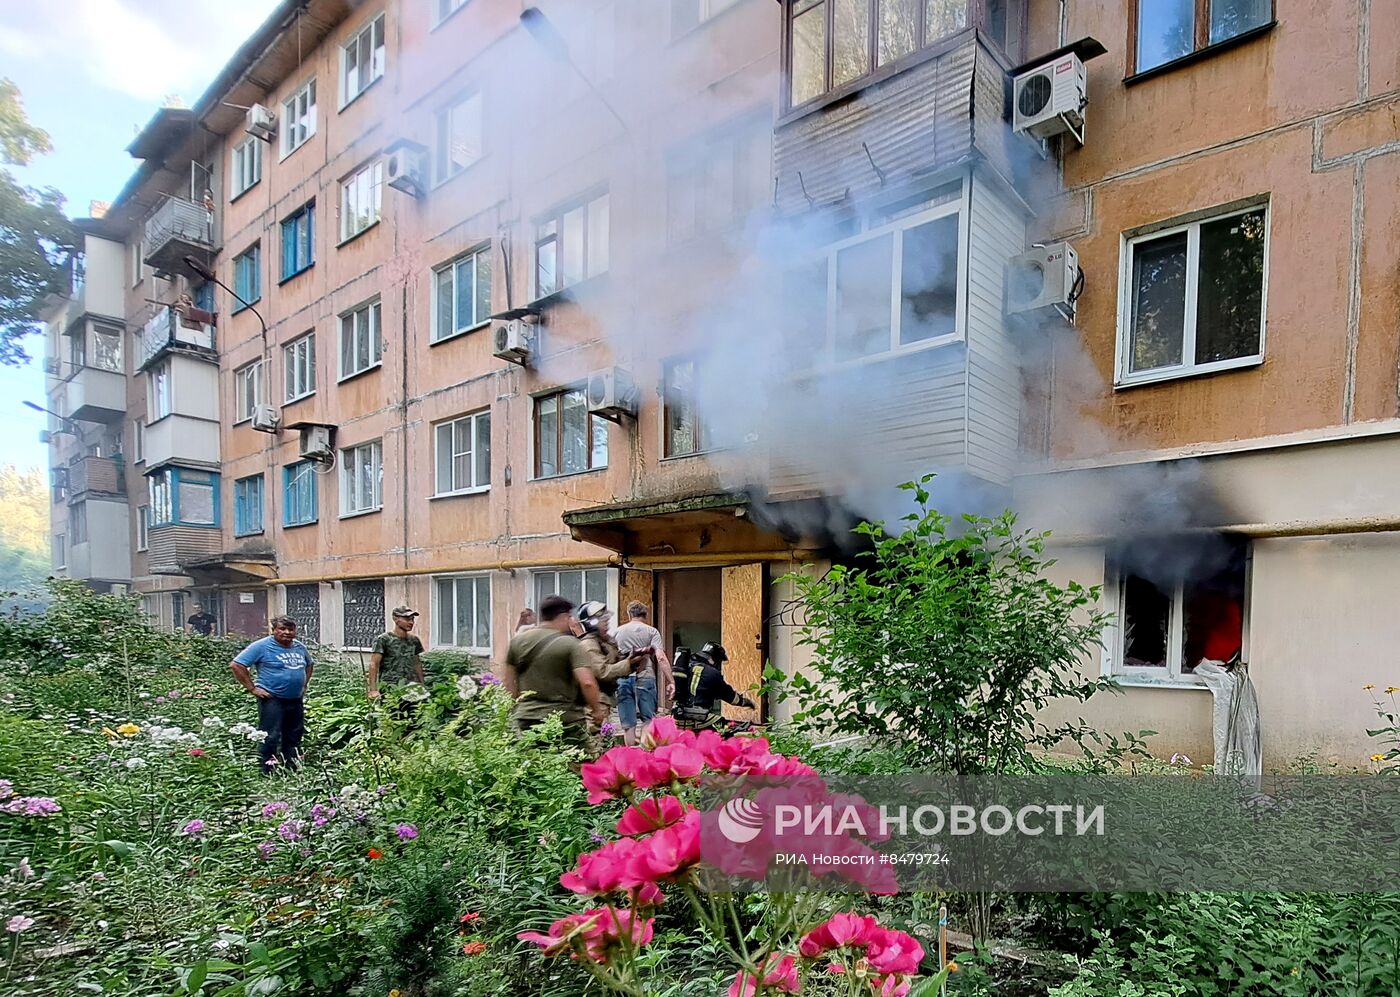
1224, 639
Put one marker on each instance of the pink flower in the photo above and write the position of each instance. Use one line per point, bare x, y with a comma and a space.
406, 832
836, 932
894, 953
32, 806
647, 895
273, 809
620, 771
663, 730
894, 986
592, 934
650, 815
19, 923
682, 763
605, 870
194, 827
778, 972
195, 752
668, 853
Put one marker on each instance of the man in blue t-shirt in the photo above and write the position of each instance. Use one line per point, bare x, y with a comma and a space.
283, 667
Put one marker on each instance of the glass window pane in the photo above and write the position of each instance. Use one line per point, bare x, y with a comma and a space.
1230, 290
544, 586
1229, 18
1166, 31
545, 264
808, 51
1159, 303
575, 421
596, 585
929, 281
571, 265
804, 313
462, 618
1146, 620
483, 451
680, 409
944, 17
863, 289
444, 611
196, 503
899, 24
571, 586
598, 235
482, 602
547, 446
482, 304
850, 45
466, 286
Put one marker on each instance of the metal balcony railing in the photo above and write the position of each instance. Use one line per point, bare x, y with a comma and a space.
178, 228
166, 330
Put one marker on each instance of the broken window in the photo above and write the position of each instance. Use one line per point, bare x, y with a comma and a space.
1180, 601
1194, 297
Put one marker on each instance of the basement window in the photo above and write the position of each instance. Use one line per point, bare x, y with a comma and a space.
1178, 602
1193, 296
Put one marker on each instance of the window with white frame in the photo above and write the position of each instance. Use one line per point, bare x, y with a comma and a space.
360, 197
361, 478
247, 390
362, 60
359, 339
138, 441
1179, 602
299, 117
158, 391
462, 293
442, 8
571, 245
247, 164
137, 260
462, 454
568, 439
1193, 297
143, 527
893, 286
578, 586
459, 137
77, 523
299, 362
463, 612
687, 14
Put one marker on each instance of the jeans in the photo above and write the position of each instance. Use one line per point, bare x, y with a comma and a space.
284, 721
636, 699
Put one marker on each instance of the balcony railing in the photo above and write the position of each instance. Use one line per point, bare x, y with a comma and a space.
166, 330
96, 474
178, 228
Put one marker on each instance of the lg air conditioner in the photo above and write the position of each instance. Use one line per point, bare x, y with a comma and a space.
612, 394
266, 418
261, 123
1049, 100
1046, 278
513, 341
406, 169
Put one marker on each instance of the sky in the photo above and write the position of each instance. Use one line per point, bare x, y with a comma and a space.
91, 73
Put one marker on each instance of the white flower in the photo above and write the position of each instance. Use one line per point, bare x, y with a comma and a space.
256, 735
135, 763
144, 695
415, 693
102, 925
24, 870
214, 723
241, 729
466, 687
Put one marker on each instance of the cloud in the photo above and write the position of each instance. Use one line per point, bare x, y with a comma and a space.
146, 49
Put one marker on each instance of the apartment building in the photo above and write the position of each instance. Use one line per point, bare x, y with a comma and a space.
653, 300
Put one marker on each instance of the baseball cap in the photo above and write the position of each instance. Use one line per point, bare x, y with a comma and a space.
404, 611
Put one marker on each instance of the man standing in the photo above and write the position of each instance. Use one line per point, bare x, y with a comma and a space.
610, 666
547, 671
637, 700
397, 654
200, 622
283, 667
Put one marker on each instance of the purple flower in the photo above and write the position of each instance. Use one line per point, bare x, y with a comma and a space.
160, 699
290, 830
406, 832
386, 789
608, 729
7, 789
266, 849
486, 678
273, 809
596, 838
32, 806
194, 827
174, 693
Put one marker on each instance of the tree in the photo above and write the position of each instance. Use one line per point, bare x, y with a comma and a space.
24, 539
35, 236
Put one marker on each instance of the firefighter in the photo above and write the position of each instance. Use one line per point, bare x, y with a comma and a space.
701, 687
607, 662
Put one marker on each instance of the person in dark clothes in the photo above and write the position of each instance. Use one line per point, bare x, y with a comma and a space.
701, 686
397, 656
200, 622
283, 668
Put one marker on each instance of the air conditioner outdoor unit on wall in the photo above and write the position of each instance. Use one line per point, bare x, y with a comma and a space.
261, 123
318, 443
612, 394
266, 418
513, 341
1042, 279
1050, 99
406, 170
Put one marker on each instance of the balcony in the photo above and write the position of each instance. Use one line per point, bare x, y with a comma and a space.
173, 547
179, 228
97, 394
167, 330
90, 477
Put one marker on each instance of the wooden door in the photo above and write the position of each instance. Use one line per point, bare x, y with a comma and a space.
742, 591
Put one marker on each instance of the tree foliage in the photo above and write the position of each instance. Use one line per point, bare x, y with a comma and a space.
953, 642
35, 235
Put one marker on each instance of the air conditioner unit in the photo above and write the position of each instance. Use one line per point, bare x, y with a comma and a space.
52, 365
318, 443
406, 169
611, 394
261, 123
45, 436
513, 341
1050, 99
266, 418
1046, 277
